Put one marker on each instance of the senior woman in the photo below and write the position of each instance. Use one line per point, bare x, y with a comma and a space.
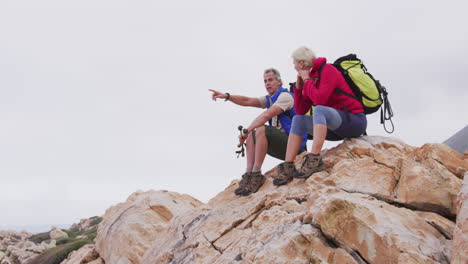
335, 115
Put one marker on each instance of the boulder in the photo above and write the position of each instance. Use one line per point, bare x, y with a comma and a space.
57, 233
86, 254
460, 240
128, 229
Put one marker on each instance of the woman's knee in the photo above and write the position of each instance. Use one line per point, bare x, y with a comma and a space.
299, 122
328, 116
319, 115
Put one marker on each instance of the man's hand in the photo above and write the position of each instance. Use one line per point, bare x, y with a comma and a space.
243, 137
217, 95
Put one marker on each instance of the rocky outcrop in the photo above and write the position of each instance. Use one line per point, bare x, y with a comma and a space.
86, 254
8, 238
86, 224
379, 201
460, 241
15, 248
26, 248
129, 228
25, 251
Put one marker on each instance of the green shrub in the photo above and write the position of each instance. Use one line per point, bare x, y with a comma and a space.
91, 236
62, 254
95, 220
65, 240
71, 234
92, 230
58, 254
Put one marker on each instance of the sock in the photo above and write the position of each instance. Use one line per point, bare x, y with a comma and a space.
248, 170
256, 169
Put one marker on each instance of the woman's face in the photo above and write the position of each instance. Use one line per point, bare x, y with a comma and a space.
298, 65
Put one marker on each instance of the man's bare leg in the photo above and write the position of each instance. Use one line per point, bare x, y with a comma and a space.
250, 153
261, 148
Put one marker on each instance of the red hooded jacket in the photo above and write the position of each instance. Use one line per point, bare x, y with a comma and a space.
324, 94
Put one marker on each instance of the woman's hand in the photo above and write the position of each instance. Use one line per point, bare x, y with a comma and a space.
217, 95
304, 74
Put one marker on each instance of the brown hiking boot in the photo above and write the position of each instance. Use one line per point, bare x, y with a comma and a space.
285, 173
243, 183
256, 181
310, 165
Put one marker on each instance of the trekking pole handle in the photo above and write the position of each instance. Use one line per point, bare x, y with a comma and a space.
243, 131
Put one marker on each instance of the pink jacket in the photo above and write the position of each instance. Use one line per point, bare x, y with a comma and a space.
324, 94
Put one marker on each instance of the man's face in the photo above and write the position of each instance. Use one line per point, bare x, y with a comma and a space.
271, 83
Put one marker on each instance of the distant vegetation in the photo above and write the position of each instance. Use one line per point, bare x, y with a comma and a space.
57, 254
64, 245
39, 238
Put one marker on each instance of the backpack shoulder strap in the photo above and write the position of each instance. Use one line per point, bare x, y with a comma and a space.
339, 91
320, 72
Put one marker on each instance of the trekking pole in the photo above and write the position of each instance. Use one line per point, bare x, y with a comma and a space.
243, 132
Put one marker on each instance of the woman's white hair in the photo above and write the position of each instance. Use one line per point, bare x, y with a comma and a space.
304, 54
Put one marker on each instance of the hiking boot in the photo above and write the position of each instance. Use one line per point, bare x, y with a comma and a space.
243, 183
311, 164
285, 173
256, 181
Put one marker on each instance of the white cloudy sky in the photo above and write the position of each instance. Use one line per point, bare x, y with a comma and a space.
101, 98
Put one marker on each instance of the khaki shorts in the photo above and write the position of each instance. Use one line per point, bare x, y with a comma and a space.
277, 142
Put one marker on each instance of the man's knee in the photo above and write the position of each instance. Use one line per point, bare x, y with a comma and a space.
260, 131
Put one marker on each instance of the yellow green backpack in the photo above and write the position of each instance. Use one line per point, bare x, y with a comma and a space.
368, 91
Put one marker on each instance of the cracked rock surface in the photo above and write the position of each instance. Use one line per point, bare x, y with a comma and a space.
128, 229
379, 201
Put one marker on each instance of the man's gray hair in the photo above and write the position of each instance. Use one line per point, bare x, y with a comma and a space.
275, 71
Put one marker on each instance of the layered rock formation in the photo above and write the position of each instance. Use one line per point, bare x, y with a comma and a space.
460, 240
86, 254
379, 201
130, 228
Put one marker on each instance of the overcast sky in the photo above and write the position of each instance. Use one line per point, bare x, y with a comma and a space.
101, 98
